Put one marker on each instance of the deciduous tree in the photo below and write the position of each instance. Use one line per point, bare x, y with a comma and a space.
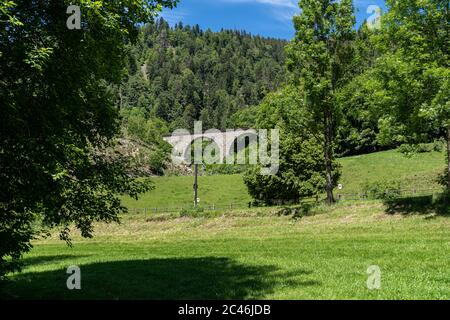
415, 69
58, 117
318, 58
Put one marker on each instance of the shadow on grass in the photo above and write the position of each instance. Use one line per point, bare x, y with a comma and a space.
174, 278
422, 205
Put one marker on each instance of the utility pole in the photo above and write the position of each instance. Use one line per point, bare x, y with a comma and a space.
196, 185
198, 156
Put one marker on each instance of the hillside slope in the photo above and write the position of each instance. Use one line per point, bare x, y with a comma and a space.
417, 172
182, 74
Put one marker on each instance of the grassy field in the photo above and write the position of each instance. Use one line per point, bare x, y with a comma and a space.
251, 254
420, 171
178, 192
254, 253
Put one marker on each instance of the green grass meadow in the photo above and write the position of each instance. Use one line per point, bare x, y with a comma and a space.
251, 254
420, 171
417, 172
255, 253
177, 192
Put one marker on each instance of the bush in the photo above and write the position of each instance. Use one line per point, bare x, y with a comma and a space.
298, 212
425, 147
384, 190
158, 159
438, 145
407, 149
410, 149
192, 212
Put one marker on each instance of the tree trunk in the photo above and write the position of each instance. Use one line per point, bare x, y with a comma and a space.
448, 158
329, 176
328, 155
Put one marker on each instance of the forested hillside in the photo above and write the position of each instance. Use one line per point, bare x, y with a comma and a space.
183, 74
177, 75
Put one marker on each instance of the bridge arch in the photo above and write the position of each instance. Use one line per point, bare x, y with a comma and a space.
223, 143
209, 149
241, 141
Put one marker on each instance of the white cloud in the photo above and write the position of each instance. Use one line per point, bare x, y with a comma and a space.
173, 17
278, 3
282, 10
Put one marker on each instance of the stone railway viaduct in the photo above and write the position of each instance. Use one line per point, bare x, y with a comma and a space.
182, 141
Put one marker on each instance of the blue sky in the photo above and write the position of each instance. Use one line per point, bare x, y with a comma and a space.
271, 18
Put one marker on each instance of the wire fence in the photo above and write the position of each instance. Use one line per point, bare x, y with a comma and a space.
340, 197
388, 194
208, 207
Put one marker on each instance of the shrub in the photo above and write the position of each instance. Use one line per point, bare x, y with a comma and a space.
407, 149
192, 212
298, 212
425, 148
382, 190
438, 145
410, 149
158, 159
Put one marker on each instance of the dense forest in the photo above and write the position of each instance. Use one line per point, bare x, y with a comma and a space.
177, 75
183, 74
